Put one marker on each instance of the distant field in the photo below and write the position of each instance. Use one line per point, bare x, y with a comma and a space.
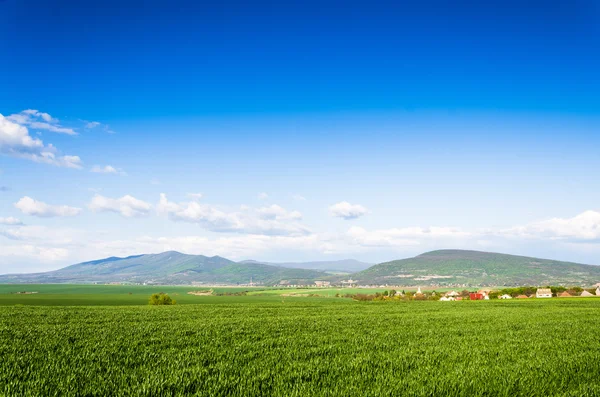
121, 295
109, 295
304, 347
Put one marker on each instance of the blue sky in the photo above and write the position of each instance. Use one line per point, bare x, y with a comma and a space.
312, 130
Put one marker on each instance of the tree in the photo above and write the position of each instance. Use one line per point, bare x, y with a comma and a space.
161, 299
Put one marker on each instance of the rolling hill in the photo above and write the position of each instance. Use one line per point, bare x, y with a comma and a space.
443, 268
169, 268
476, 268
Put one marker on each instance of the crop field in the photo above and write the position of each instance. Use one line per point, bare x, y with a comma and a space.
104, 295
122, 295
304, 347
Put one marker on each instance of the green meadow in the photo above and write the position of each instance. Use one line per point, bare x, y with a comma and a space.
104, 295
106, 340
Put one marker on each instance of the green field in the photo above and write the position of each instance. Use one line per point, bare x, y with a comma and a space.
121, 295
261, 345
103, 295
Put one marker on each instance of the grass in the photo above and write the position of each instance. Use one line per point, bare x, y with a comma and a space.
102, 295
260, 345
121, 295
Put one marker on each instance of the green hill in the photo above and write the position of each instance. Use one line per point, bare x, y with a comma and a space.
454, 268
169, 268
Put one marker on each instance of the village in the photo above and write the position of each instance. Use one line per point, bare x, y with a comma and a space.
486, 294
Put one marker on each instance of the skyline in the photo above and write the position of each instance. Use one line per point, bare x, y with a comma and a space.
261, 135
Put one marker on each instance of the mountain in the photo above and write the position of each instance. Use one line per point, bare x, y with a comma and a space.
475, 268
169, 268
444, 268
339, 266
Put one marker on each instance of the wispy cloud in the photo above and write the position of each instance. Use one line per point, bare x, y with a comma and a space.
32, 207
10, 221
584, 227
127, 206
263, 196
90, 125
347, 211
272, 220
195, 196
15, 141
37, 120
396, 237
107, 169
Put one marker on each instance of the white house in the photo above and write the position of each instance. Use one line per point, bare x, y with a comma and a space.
446, 299
598, 291
505, 296
585, 294
543, 293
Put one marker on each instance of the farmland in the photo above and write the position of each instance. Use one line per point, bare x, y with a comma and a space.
261, 345
116, 295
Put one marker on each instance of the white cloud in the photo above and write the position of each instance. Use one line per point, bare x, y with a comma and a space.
263, 196
298, 197
40, 121
273, 220
32, 207
108, 169
583, 227
127, 206
10, 221
15, 141
347, 211
194, 212
278, 213
90, 125
12, 253
195, 196
42, 235
154, 181
402, 236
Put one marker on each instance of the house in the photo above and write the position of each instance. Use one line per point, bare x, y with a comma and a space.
446, 298
564, 294
322, 283
522, 296
475, 296
598, 291
505, 296
543, 293
452, 294
586, 294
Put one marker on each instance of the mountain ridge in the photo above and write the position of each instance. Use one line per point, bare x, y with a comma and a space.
170, 267
440, 268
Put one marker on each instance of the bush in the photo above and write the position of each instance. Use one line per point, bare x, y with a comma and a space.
161, 299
